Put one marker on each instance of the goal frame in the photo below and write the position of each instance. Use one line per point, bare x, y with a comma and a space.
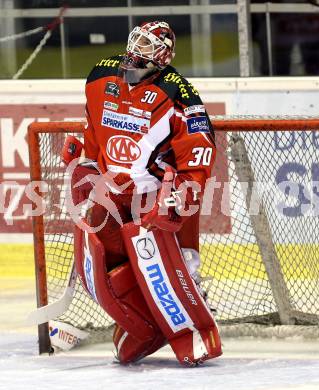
34, 129
238, 124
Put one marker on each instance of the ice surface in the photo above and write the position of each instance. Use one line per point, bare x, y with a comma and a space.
247, 364
94, 368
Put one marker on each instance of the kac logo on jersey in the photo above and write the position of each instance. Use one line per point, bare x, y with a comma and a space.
125, 122
198, 124
122, 149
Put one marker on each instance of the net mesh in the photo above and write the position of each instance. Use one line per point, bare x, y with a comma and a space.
284, 166
83, 313
237, 274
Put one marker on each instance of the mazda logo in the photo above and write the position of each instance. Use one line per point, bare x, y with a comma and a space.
145, 248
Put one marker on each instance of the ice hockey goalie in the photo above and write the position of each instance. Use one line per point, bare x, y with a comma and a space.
150, 148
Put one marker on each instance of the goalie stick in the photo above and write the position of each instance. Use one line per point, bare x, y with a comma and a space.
49, 312
53, 310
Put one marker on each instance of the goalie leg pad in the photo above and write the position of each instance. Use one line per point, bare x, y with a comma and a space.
172, 295
116, 291
129, 349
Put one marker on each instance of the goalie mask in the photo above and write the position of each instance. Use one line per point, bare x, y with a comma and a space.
150, 47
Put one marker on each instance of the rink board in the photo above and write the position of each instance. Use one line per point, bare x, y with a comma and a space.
235, 261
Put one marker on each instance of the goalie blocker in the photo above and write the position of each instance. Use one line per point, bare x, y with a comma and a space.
171, 294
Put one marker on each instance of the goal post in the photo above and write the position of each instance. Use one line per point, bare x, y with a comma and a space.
259, 253
40, 234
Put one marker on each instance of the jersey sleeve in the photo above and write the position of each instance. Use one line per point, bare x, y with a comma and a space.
104, 68
193, 139
91, 147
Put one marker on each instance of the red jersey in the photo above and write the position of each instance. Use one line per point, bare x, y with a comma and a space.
135, 131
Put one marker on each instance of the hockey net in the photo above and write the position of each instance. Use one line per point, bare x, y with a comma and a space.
259, 227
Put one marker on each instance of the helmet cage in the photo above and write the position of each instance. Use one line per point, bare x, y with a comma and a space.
144, 44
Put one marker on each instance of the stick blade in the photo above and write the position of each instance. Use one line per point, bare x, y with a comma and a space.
53, 310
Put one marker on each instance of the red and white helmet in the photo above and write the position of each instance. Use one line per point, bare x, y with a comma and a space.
151, 44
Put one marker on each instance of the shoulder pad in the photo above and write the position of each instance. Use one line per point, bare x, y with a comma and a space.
176, 86
105, 67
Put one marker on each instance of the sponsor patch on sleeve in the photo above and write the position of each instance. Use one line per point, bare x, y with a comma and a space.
194, 109
111, 106
198, 124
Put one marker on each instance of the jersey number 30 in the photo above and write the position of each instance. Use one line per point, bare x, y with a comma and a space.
149, 97
202, 156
